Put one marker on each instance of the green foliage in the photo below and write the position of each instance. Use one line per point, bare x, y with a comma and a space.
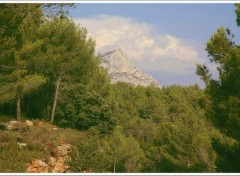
124, 152
185, 142
186, 148
127, 128
56, 9
113, 153
17, 53
88, 156
237, 11
81, 109
2, 127
223, 95
169, 124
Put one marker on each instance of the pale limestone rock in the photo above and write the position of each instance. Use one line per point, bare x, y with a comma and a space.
52, 161
21, 145
60, 166
13, 125
38, 166
63, 149
120, 69
9, 127
29, 123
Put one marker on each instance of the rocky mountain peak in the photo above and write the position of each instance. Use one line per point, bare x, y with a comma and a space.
116, 59
120, 69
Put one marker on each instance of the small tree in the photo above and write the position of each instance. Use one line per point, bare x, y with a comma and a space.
124, 152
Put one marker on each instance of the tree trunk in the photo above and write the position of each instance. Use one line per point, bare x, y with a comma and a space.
55, 100
128, 169
114, 167
18, 108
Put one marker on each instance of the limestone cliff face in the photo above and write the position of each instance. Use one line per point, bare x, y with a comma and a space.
120, 69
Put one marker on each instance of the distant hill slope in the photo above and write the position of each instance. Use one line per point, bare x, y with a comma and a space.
120, 69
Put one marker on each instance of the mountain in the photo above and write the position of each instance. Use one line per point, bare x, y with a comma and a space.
120, 69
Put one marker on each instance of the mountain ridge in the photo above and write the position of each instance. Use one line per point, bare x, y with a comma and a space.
120, 69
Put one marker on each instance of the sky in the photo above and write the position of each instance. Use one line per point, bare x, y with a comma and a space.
163, 40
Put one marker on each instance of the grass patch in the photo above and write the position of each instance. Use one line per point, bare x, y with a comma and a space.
13, 158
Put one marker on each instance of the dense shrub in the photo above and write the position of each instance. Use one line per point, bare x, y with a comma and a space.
81, 109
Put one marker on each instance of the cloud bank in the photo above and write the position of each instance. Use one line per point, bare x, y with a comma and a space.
147, 48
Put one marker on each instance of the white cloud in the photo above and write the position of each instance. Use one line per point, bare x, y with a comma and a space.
147, 50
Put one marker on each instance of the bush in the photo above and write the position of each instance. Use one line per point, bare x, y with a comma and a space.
2, 127
87, 156
81, 109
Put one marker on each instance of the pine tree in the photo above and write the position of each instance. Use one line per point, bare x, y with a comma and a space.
224, 93
20, 46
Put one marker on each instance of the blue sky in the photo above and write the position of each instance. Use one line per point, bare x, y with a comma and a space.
164, 40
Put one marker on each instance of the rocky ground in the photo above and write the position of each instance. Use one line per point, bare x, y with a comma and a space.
56, 164
55, 144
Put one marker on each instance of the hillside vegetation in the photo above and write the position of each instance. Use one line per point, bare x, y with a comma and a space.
49, 74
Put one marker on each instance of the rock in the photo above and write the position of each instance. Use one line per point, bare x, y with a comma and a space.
63, 149
13, 125
41, 124
55, 165
120, 69
88, 171
22, 144
9, 127
59, 166
29, 123
55, 129
52, 162
38, 166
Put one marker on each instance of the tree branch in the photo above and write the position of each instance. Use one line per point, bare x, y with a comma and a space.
7, 67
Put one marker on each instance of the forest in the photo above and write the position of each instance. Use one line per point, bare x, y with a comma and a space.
49, 71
